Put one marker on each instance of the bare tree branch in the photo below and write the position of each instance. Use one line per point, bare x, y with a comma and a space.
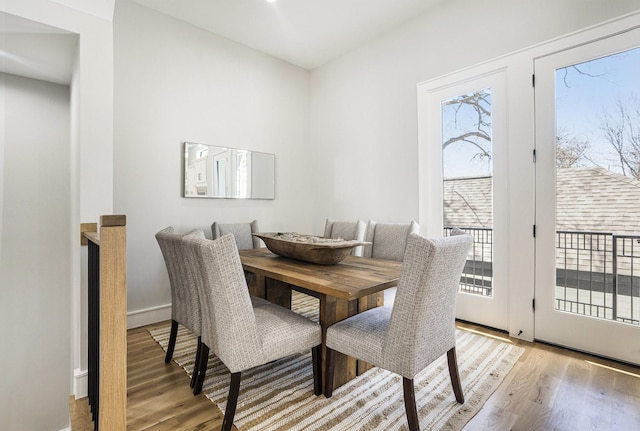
473, 210
620, 130
570, 151
479, 102
579, 71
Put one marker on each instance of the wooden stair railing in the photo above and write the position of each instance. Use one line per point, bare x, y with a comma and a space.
107, 325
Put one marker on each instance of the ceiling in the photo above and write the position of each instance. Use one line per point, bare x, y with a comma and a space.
307, 33
35, 50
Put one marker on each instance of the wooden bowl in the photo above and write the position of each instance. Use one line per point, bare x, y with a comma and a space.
308, 248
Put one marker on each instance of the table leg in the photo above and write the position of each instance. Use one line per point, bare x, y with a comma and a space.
333, 310
278, 292
256, 284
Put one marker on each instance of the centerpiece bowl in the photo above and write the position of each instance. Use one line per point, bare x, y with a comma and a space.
309, 248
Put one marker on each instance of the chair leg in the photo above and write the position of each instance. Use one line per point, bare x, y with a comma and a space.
232, 402
172, 341
196, 364
316, 359
455, 376
202, 369
410, 404
330, 367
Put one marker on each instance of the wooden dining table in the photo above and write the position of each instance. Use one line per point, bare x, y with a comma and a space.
352, 286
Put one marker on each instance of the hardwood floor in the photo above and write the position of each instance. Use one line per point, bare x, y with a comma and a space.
551, 388
548, 389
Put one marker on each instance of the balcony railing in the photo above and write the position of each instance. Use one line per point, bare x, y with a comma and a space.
477, 275
597, 273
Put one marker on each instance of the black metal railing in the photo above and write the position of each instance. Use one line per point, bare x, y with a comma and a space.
597, 273
477, 275
584, 273
626, 278
93, 346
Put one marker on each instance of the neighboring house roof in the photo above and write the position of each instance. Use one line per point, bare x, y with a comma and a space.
468, 202
588, 199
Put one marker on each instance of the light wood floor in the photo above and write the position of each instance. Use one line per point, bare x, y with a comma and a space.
548, 389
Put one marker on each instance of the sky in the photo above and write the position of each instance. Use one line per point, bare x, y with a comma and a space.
588, 91
460, 159
583, 94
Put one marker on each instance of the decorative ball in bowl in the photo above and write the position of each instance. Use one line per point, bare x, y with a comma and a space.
309, 248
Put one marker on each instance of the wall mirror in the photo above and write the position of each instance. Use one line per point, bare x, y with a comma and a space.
220, 172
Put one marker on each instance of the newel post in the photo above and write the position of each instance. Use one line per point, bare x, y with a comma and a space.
107, 310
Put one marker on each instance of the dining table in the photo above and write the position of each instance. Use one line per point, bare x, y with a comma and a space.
352, 286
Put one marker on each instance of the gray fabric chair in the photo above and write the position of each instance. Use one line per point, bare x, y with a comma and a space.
346, 230
389, 240
419, 328
243, 336
185, 308
242, 232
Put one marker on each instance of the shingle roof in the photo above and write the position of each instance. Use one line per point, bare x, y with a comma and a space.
468, 202
588, 199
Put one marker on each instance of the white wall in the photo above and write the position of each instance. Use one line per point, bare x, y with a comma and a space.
90, 189
363, 105
35, 309
178, 83
364, 124
175, 83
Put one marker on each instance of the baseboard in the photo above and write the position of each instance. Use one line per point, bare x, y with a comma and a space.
147, 316
135, 319
80, 385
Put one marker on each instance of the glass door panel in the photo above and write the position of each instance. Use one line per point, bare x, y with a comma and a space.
588, 198
467, 136
467, 168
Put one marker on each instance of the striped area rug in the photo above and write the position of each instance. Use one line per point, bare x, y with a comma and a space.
279, 395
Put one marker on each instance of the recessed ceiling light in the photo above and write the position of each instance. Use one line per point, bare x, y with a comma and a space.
271, 1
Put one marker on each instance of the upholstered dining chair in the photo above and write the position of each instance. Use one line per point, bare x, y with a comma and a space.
388, 240
243, 336
242, 233
418, 329
185, 309
346, 230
